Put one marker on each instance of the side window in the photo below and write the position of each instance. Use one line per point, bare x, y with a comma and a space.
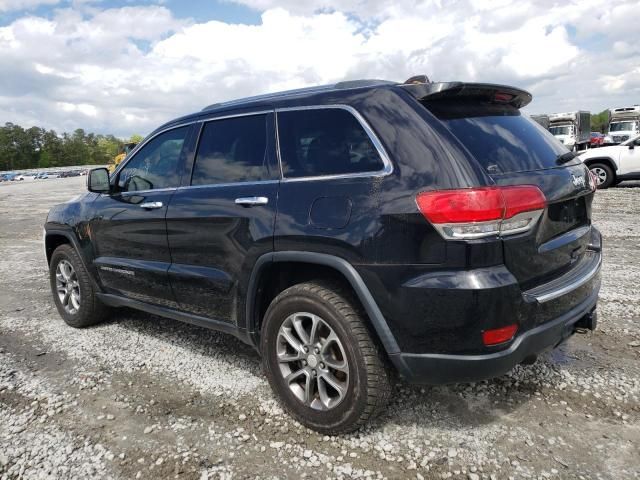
156, 164
326, 141
232, 150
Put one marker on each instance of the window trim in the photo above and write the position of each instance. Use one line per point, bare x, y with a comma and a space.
142, 144
133, 193
387, 168
134, 152
386, 161
197, 146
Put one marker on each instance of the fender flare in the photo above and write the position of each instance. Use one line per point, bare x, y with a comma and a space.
608, 160
73, 241
343, 267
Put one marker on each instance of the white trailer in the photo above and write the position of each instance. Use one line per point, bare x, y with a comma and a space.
542, 120
573, 129
624, 123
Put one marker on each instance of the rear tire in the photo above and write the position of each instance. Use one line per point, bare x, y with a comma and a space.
72, 289
309, 329
604, 175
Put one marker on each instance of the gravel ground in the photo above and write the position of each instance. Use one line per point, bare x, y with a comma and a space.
145, 397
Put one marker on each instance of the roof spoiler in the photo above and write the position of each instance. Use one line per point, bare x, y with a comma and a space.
487, 91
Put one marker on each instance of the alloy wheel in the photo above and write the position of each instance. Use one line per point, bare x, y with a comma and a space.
67, 287
601, 175
312, 361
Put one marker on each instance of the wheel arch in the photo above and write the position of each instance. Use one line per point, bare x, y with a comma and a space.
53, 238
606, 160
335, 267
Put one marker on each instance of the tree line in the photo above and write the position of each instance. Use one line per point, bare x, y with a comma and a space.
600, 122
35, 147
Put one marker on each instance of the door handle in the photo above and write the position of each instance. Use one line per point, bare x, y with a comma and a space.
151, 205
251, 201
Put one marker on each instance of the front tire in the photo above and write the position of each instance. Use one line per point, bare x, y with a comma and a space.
321, 360
72, 289
604, 175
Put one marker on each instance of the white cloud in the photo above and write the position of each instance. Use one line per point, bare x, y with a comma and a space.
283, 49
128, 69
9, 5
83, 108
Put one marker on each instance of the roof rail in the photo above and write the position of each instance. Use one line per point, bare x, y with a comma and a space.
302, 91
362, 83
267, 96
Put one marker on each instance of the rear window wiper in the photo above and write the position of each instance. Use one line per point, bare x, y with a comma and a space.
565, 157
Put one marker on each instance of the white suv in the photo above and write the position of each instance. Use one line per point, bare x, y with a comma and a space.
611, 165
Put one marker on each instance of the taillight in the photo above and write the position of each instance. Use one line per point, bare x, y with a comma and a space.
502, 97
499, 335
482, 212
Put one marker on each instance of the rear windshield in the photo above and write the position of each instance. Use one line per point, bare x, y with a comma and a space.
501, 138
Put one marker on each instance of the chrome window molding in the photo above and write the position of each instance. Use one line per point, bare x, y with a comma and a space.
141, 145
213, 117
131, 193
386, 161
229, 184
205, 119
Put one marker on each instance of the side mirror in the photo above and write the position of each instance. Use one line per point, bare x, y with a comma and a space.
136, 183
98, 180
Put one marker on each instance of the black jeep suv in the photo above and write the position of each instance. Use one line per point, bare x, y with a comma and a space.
347, 232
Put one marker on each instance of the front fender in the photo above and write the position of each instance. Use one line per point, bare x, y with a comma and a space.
56, 235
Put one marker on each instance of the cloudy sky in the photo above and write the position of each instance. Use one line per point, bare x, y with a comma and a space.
125, 66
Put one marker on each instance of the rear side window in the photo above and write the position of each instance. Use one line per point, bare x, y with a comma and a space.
232, 150
500, 137
328, 141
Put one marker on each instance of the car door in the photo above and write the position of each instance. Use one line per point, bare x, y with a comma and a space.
629, 157
129, 228
222, 219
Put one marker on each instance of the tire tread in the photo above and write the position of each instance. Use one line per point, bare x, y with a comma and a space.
92, 310
378, 371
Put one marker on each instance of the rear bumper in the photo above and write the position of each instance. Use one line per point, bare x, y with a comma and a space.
438, 369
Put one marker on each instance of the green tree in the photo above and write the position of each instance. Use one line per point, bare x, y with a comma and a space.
51, 153
600, 122
107, 148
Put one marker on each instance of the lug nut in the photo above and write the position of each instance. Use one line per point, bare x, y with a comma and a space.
321, 365
313, 372
317, 350
306, 349
304, 363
